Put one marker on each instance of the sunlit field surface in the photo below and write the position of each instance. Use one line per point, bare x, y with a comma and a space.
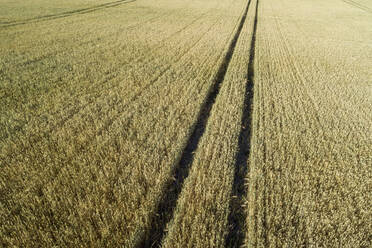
194, 123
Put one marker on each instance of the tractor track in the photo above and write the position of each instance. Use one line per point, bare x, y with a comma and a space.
237, 217
165, 208
358, 5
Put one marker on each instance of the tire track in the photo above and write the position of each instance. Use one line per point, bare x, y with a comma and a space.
66, 14
164, 211
237, 215
257, 185
358, 5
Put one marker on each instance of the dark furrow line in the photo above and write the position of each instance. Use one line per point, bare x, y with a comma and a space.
65, 14
167, 203
358, 5
237, 216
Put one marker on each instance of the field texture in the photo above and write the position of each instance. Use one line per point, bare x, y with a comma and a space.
310, 177
195, 123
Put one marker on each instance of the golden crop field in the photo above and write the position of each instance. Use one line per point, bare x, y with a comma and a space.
193, 123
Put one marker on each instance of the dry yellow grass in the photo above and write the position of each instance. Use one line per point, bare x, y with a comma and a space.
15, 11
201, 217
102, 105
92, 131
310, 175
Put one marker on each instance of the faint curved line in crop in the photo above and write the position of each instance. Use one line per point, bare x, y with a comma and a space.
358, 5
66, 14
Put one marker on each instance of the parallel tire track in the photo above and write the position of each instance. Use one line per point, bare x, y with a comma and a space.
237, 215
358, 5
165, 209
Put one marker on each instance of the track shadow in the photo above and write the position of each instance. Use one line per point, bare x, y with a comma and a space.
167, 204
237, 217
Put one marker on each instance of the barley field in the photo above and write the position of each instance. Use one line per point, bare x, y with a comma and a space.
193, 123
